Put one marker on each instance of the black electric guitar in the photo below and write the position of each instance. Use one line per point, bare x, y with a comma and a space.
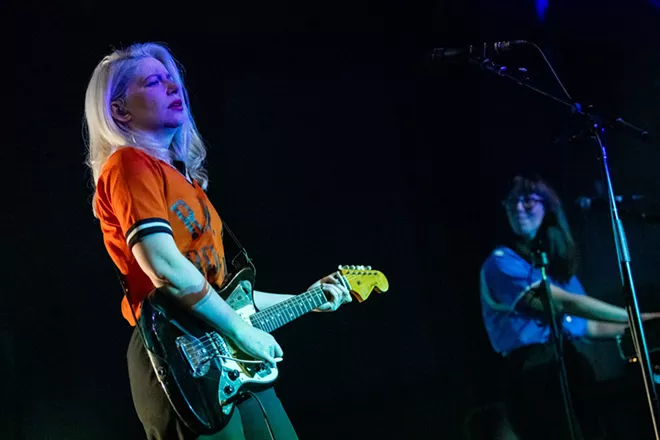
204, 373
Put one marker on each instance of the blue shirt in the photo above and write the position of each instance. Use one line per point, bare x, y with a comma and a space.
505, 278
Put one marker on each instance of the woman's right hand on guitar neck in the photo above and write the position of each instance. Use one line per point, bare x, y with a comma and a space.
257, 343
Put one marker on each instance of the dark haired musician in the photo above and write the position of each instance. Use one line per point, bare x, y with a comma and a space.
516, 322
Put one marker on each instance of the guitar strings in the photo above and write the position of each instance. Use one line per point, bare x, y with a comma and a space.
207, 339
278, 308
207, 343
202, 358
281, 307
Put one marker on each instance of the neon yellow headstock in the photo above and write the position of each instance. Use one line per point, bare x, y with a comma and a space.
362, 280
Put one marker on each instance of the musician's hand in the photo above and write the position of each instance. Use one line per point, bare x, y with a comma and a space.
258, 343
647, 316
334, 290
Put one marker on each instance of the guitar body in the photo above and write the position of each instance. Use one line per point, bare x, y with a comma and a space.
186, 354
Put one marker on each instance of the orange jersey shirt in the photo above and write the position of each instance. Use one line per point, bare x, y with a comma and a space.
138, 195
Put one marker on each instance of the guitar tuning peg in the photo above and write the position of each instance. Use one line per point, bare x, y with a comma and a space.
353, 267
361, 267
368, 267
340, 267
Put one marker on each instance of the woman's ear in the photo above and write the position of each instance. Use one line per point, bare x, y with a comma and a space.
119, 111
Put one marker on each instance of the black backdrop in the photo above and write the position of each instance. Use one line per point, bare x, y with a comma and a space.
332, 141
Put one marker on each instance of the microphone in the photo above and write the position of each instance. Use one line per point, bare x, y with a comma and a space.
467, 52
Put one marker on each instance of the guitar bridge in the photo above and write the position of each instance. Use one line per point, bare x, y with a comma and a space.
199, 354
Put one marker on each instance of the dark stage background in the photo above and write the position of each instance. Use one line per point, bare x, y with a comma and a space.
332, 140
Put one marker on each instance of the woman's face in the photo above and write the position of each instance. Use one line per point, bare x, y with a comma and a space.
525, 214
153, 101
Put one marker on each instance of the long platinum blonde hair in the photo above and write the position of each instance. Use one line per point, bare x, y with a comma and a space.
104, 135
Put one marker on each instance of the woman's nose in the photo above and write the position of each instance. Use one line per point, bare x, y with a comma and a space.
172, 87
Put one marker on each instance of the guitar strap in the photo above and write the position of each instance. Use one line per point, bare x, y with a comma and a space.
241, 259
242, 253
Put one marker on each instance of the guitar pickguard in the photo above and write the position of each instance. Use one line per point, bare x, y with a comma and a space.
241, 300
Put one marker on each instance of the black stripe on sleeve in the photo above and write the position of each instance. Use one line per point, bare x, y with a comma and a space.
146, 227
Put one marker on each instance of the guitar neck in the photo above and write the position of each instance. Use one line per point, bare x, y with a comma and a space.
286, 311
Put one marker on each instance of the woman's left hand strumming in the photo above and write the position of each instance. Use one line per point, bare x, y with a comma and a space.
334, 290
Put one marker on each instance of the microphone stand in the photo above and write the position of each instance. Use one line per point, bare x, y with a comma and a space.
596, 129
541, 261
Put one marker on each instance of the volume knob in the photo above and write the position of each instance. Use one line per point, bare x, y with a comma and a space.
228, 389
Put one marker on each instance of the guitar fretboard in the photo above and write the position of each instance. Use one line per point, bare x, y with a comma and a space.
282, 313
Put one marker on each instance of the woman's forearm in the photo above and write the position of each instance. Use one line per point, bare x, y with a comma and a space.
176, 276
592, 308
604, 330
578, 305
189, 287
